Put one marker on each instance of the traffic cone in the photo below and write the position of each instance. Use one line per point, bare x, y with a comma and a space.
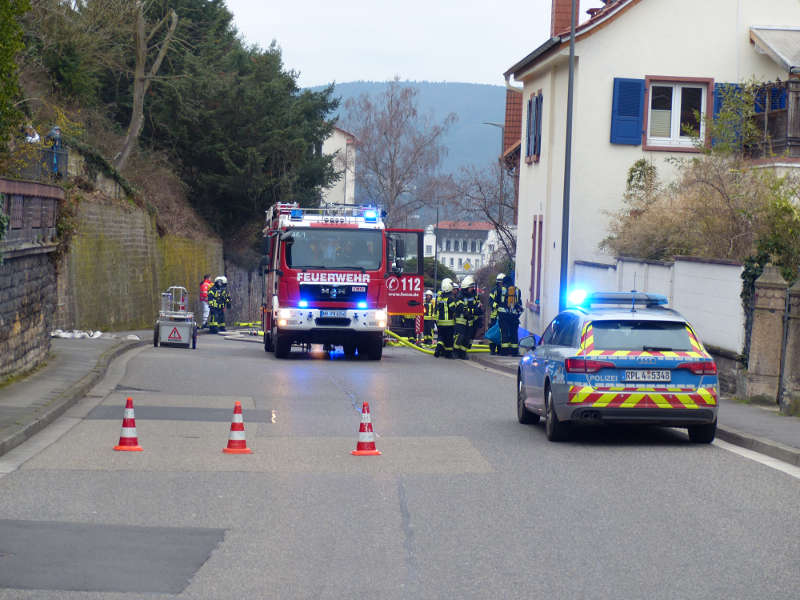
128, 440
366, 437
236, 442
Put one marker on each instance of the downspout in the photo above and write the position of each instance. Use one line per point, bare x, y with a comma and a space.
509, 86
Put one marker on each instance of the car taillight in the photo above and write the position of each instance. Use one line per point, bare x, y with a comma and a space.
705, 367
584, 365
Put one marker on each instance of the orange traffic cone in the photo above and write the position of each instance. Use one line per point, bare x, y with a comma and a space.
236, 442
366, 437
128, 439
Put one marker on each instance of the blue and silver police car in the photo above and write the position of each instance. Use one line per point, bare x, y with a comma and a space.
618, 357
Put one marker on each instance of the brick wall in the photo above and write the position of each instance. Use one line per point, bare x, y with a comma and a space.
27, 293
117, 267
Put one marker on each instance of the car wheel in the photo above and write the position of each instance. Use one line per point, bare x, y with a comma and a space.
283, 346
555, 430
524, 416
702, 434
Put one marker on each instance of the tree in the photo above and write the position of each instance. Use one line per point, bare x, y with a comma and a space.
155, 40
398, 149
477, 194
10, 45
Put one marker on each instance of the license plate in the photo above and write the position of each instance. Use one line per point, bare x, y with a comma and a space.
659, 375
338, 314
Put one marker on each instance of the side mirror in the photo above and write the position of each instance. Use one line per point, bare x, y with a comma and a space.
528, 343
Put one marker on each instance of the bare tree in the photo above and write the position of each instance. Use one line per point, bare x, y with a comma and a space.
398, 148
146, 44
482, 194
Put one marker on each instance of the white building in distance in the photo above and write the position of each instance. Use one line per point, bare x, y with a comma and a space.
341, 144
463, 246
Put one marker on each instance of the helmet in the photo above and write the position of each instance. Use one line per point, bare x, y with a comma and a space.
456, 284
500, 277
469, 281
447, 280
447, 285
222, 279
429, 292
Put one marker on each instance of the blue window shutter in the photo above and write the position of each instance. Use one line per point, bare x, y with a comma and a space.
718, 88
529, 129
627, 111
538, 138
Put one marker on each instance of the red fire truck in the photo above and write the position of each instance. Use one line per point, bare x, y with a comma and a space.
334, 275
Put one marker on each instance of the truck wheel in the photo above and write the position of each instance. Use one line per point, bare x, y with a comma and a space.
374, 347
268, 347
194, 339
155, 336
283, 346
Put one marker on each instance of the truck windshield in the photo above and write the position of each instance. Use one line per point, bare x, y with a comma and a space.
358, 249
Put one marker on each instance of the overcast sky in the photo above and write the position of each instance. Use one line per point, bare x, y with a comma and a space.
420, 40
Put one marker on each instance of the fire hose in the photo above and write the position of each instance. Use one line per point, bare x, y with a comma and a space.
404, 342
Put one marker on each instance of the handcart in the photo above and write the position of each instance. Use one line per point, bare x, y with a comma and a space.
175, 325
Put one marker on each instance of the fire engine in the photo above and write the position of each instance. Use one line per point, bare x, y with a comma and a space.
334, 275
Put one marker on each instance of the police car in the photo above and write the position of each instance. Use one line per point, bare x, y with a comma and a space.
618, 357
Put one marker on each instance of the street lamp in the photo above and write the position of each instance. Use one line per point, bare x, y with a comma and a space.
502, 128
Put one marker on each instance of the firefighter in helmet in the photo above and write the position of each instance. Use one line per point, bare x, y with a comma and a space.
468, 310
445, 308
509, 309
430, 318
494, 299
218, 300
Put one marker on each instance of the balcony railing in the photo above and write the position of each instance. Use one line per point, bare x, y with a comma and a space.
778, 119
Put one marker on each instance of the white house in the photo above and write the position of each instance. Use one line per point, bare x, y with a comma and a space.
641, 68
463, 246
341, 145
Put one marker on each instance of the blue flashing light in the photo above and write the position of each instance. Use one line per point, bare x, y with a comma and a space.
576, 297
362, 305
303, 304
371, 216
296, 214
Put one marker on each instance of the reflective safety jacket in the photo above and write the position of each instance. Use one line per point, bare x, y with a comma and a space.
472, 308
445, 310
494, 299
204, 287
430, 310
218, 297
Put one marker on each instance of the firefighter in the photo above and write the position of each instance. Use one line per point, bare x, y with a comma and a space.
508, 310
468, 309
494, 299
429, 319
218, 300
445, 307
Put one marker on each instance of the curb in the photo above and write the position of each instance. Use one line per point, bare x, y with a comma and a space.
59, 405
760, 445
764, 446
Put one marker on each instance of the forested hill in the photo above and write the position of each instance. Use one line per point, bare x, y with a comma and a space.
468, 141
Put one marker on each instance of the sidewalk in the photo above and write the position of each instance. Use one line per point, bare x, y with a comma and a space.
73, 368
758, 428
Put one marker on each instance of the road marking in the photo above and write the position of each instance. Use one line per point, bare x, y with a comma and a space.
768, 461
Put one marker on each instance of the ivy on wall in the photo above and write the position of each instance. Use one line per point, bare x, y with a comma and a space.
3, 224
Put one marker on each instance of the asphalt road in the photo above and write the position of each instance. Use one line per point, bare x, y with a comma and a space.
463, 503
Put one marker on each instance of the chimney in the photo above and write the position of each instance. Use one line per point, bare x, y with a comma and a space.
561, 15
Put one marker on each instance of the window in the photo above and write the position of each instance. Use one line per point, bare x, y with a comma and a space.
460, 262
536, 262
533, 128
666, 111
491, 247
480, 246
567, 330
451, 262
472, 246
447, 245
428, 249
674, 111
675, 114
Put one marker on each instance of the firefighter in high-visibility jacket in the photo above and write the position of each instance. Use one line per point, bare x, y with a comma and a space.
218, 300
445, 319
494, 299
468, 309
429, 320
509, 309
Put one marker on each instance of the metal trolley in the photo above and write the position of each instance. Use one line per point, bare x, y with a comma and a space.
175, 325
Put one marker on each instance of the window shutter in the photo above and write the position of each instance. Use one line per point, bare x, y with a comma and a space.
529, 129
537, 144
627, 111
